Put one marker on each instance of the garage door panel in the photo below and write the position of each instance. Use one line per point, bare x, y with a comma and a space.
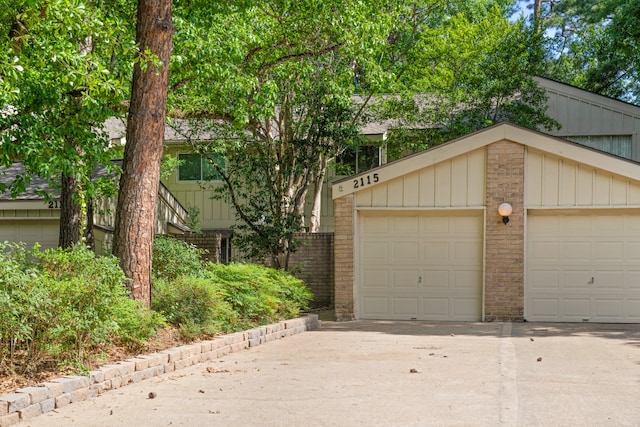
465, 308
466, 252
544, 308
608, 280
434, 273
376, 278
435, 252
404, 307
545, 279
633, 309
610, 250
435, 225
404, 225
466, 279
576, 308
404, 279
376, 225
608, 309
632, 251
545, 250
467, 224
597, 271
576, 251
437, 307
436, 279
375, 251
577, 279
632, 279
405, 252
375, 306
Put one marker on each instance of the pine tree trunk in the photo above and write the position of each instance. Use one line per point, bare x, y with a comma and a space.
69, 213
135, 212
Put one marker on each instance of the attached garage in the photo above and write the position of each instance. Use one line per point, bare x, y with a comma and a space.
421, 238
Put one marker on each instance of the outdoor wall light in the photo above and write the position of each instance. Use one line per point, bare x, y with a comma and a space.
505, 210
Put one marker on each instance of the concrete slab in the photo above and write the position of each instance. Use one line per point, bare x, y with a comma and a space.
394, 374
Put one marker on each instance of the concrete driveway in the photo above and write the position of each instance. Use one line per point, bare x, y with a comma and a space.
380, 373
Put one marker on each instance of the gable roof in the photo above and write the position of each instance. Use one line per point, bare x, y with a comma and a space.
502, 131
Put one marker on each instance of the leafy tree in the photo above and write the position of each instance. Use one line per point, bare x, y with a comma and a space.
472, 72
274, 81
594, 44
62, 77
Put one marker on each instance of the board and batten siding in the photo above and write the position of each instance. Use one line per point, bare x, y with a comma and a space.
582, 113
553, 181
455, 183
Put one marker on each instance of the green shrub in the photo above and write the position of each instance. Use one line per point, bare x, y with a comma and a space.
64, 304
173, 258
229, 298
258, 294
187, 303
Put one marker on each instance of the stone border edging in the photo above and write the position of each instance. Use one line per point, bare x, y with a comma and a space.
29, 402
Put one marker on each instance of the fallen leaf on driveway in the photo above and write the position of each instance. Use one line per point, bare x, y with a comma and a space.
216, 370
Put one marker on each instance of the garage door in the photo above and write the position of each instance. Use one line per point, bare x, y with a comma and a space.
420, 265
44, 232
583, 267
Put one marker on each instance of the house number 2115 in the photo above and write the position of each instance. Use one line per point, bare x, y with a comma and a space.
366, 180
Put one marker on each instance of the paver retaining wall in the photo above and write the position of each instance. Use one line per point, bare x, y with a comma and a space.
29, 402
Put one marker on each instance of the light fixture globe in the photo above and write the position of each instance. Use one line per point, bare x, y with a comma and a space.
505, 210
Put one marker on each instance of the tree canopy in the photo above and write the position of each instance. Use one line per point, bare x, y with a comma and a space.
65, 71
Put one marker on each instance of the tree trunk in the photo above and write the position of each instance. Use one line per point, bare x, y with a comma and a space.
89, 237
135, 212
316, 209
537, 10
69, 213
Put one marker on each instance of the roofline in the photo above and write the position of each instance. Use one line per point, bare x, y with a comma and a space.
609, 101
473, 141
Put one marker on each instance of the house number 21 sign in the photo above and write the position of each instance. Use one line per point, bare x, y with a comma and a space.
365, 180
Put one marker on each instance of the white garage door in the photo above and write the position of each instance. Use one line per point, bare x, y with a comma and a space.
583, 267
420, 265
44, 232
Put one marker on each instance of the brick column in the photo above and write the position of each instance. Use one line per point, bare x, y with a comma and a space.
344, 258
504, 268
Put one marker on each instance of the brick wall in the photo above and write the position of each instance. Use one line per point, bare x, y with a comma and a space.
504, 270
313, 263
208, 241
344, 258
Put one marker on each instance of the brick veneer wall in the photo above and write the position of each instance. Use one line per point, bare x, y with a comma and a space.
209, 241
504, 266
313, 263
344, 258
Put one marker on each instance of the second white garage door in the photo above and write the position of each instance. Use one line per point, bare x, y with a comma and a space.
420, 265
583, 267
